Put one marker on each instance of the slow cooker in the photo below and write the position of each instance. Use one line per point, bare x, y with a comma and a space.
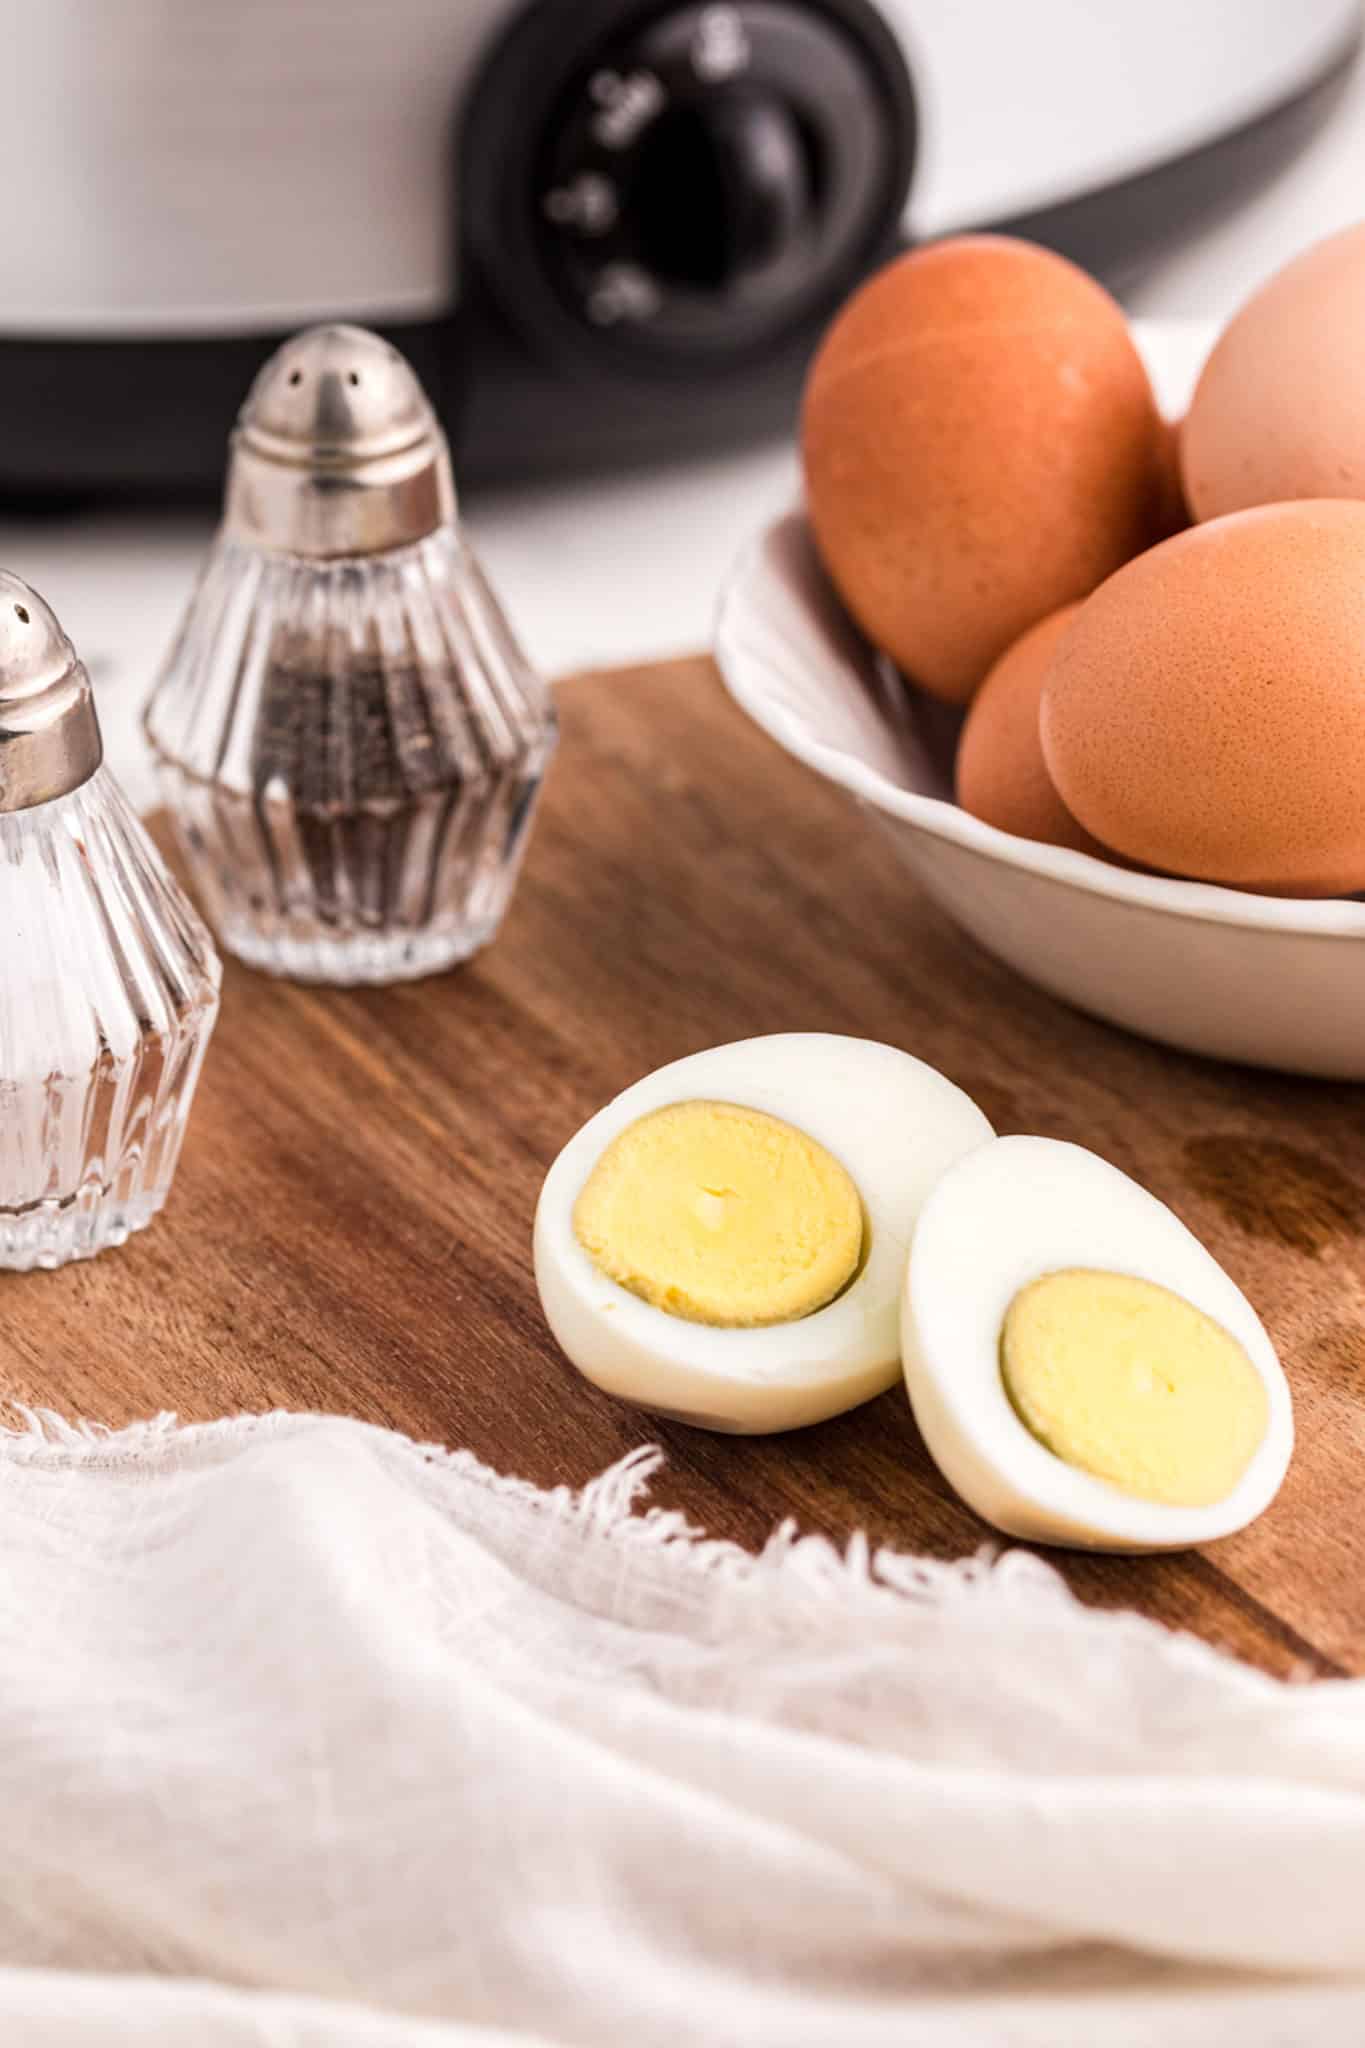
602, 229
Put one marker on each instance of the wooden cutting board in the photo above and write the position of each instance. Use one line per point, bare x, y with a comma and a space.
351, 1225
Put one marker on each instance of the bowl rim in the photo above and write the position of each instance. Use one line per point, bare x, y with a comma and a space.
1201, 902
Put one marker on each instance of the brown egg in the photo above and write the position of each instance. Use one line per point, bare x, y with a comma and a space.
1205, 713
1001, 775
981, 446
1279, 411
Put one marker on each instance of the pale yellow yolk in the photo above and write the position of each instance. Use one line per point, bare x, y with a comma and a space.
721, 1214
1134, 1384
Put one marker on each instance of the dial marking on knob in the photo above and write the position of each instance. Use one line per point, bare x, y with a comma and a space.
626, 106
590, 203
720, 48
622, 292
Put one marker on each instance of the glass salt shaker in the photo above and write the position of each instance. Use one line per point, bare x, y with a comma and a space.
349, 738
108, 980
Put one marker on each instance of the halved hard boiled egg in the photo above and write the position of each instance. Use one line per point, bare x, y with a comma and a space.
725, 1242
1082, 1370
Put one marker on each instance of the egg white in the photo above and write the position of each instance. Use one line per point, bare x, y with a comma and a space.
893, 1122
1013, 1211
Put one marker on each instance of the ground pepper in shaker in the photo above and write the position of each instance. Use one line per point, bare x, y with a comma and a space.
108, 980
349, 738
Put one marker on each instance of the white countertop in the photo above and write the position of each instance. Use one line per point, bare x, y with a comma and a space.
620, 569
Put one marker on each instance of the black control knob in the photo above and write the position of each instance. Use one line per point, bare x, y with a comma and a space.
662, 187
724, 190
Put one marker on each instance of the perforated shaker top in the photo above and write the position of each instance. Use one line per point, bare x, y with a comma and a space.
49, 733
337, 450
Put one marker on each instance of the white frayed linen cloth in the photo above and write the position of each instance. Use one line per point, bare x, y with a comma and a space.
314, 1737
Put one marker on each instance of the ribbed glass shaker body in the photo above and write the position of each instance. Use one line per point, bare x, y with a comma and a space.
108, 996
351, 750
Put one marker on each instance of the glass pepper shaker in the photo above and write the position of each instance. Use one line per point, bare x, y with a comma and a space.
108, 980
349, 738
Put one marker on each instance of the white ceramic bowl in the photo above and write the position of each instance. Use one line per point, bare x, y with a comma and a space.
1277, 983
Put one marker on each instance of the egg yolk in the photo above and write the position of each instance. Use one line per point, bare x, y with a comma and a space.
1134, 1384
721, 1214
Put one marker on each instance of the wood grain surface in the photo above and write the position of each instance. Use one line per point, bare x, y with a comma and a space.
351, 1225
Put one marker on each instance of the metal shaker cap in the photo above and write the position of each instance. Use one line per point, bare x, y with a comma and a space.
49, 732
337, 451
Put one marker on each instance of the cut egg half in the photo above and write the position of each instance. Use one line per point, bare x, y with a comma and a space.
725, 1242
1082, 1370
